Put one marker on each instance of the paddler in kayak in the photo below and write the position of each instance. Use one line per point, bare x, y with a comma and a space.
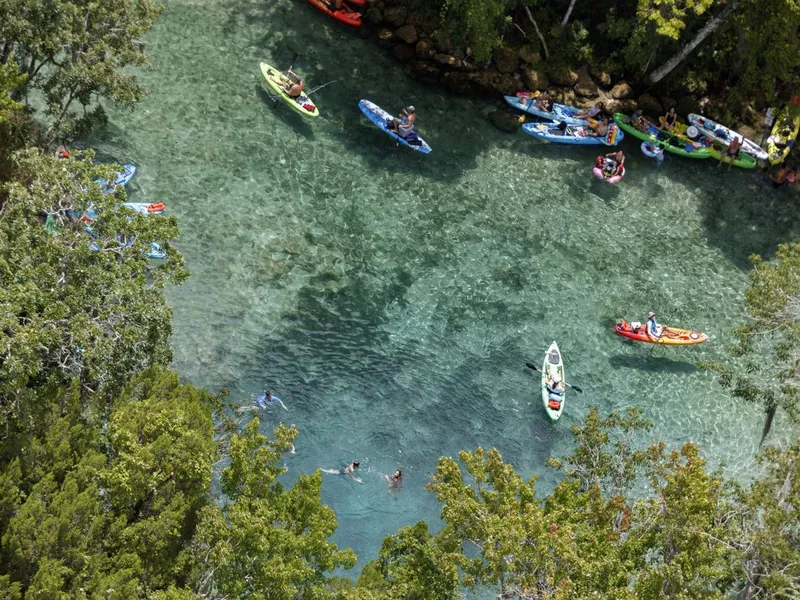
403, 124
556, 389
638, 121
654, 330
670, 119
294, 90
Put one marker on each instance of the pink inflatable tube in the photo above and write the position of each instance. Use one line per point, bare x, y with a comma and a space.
615, 179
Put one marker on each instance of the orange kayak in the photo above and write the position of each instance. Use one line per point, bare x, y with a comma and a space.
670, 336
345, 15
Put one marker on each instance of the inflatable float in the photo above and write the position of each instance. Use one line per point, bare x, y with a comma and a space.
650, 150
602, 173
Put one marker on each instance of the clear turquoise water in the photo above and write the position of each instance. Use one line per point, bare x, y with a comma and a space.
392, 299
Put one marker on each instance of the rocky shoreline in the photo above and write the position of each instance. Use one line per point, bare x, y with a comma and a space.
417, 40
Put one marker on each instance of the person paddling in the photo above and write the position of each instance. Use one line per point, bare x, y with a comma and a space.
556, 388
294, 90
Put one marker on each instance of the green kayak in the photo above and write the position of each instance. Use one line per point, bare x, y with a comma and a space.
663, 139
743, 161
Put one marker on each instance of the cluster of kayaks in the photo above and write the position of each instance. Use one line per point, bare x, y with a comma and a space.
154, 251
702, 138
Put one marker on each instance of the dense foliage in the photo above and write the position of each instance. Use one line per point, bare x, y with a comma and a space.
743, 50
107, 459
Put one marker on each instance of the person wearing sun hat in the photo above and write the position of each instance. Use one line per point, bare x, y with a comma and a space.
654, 330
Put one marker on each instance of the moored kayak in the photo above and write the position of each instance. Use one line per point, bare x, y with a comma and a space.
525, 101
380, 117
277, 82
553, 364
122, 178
670, 336
145, 208
725, 135
346, 15
573, 134
781, 139
663, 139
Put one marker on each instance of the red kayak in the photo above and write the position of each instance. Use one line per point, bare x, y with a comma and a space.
670, 336
357, 2
347, 15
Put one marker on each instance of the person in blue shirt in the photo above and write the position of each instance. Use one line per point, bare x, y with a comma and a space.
654, 330
268, 398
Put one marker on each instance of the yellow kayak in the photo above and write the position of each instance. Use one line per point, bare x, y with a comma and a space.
278, 83
781, 139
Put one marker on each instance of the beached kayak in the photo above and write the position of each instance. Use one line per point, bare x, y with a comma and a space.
145, 208
726, 135
573, 134
380, 117
277, 82
663, 139
553, 364
525, 101
670, 336
346, 15
782, 138
122, 179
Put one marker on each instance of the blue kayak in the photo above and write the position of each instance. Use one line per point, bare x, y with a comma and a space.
122, 178
379, 116
573, 134
560, 112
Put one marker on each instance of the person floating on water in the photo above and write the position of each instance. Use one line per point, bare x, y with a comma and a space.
295, 90
403, 124
268, 398
732, 152
556, 388
654, 330
615, 162
346, 471
395, 481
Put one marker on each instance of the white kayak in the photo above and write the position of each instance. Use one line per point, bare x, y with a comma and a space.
553, 364
725, 135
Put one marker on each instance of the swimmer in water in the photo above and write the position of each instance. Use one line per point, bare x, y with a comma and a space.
395, 481
346, 471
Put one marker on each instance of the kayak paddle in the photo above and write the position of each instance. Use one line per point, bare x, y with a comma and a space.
574, 387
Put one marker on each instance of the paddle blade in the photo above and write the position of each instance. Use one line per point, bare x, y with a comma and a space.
530, 366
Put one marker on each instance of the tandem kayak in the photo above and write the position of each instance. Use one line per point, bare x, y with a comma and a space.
525, 101
573, 134
277, 82
380, 117
781, 140
553, 365
346, 15
663, 139
670, 336
725, 135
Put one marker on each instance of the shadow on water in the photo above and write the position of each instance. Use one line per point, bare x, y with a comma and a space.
296, 121
652, 363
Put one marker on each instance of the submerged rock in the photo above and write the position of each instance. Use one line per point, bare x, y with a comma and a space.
403, 52
506, 121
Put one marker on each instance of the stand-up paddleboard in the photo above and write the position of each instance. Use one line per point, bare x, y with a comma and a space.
553, 364
380, 117
278, 83
725, 135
